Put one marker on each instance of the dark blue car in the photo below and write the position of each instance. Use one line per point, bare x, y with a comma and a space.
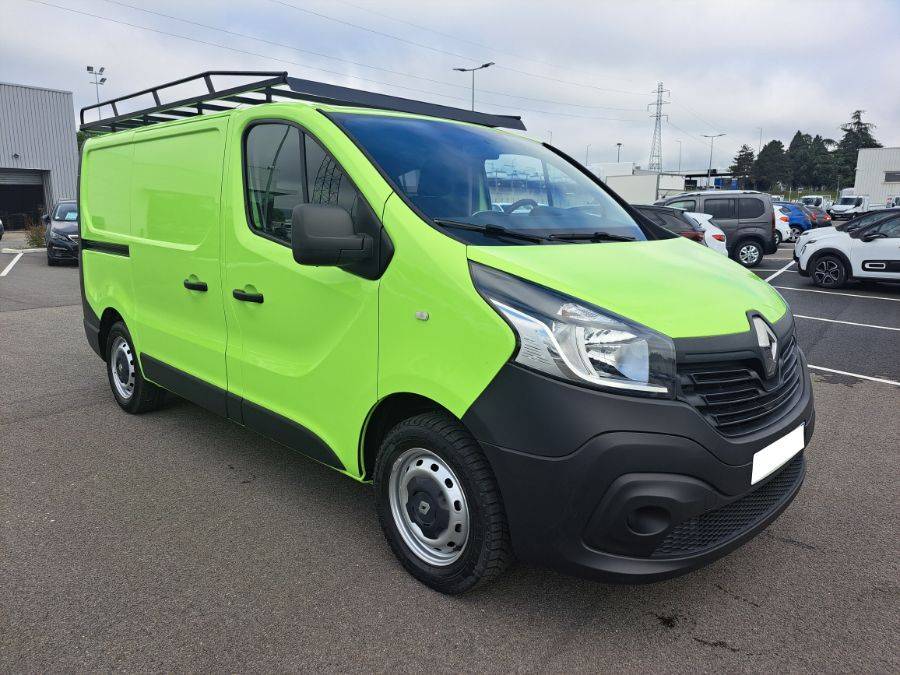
798, 218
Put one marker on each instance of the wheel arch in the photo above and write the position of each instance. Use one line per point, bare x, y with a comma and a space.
109, 317
386, 413
813, 259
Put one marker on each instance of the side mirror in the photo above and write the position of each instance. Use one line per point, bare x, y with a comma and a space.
46, 218
323, 236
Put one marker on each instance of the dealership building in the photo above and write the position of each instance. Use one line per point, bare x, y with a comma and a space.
38, 151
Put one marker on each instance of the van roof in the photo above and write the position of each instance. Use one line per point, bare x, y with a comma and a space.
266, 87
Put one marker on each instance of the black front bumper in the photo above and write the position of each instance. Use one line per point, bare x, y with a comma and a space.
60, 250
622, 488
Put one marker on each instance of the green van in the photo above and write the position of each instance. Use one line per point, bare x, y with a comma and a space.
521, 364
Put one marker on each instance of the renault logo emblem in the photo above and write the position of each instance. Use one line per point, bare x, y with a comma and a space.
768, 345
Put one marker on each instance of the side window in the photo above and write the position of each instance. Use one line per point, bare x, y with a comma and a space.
514, 177
686, 204
326, 182
889, 228
720, 209
749, 208
675, 224
274, 178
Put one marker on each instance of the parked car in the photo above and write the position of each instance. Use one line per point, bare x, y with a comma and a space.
61, 234
850, 206
713, 236
799, 219
870, 251
746, 217
782, 224
817, 201
818, 216
674, 220
573, 385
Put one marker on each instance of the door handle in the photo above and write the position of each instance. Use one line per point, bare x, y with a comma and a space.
243, 296
196, 285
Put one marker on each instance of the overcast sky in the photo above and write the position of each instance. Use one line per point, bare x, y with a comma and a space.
583, 70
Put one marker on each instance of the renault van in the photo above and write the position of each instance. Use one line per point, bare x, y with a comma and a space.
559, 381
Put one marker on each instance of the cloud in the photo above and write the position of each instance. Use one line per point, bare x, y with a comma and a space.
581, 70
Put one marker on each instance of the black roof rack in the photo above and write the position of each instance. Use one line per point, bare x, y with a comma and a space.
271, 87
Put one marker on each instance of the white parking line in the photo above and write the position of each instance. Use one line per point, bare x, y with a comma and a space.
848, 323
11, 265
861, 377
849, 295
781, 271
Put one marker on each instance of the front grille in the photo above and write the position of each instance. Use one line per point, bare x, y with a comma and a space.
736, 399
695, 535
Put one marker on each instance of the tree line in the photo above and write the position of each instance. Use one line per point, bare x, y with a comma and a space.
809, 162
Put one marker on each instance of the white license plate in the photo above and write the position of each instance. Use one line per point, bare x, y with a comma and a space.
775, 455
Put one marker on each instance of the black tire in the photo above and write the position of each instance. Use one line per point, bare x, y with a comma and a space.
777, 236
748, 252
133, 394
828, 271
487, 551
51, 262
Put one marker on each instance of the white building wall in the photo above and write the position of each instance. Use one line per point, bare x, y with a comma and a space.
871, 167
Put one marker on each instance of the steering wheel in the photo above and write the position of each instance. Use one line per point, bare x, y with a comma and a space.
519, 203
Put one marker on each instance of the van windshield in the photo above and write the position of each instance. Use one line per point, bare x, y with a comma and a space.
812, 201
481, 177
849, 201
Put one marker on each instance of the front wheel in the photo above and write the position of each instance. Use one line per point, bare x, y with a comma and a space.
439, 504
829, 271
748, 253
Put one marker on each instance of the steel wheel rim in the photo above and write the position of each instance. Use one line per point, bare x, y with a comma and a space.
121, 368
748, 254
411, 471
796, 232
827, 272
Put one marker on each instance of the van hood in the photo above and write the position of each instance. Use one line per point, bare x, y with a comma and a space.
840, 208
674, 286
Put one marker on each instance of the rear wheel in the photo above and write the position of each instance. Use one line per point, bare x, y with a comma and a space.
795, 233
439, 504
777, 238
748, 253
828, 271
132, 392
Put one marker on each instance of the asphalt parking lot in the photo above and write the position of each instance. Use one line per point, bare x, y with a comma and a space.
178, 541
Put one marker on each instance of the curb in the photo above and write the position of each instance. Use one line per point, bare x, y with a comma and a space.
22, 250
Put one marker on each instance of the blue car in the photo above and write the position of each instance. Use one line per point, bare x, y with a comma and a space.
798, 218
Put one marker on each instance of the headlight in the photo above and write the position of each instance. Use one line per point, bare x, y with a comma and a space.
59, 236
572, 340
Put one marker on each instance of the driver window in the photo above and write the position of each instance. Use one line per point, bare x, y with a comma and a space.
889, 229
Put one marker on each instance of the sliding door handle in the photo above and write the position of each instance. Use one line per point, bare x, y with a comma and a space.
196, 285
243, 296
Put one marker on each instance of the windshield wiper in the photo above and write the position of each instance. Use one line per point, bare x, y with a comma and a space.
490, 230
590, 236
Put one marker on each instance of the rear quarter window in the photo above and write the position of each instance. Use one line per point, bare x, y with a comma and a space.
750, 207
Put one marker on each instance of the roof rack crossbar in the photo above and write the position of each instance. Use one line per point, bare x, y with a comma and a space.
272, 86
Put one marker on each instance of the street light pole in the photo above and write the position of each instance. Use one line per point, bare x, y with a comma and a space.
712, 139
679, 155
97, 74
618, 152
587, 154
472, 70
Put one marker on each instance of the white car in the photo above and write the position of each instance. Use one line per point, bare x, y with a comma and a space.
830, 256
783, 231
713, 236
